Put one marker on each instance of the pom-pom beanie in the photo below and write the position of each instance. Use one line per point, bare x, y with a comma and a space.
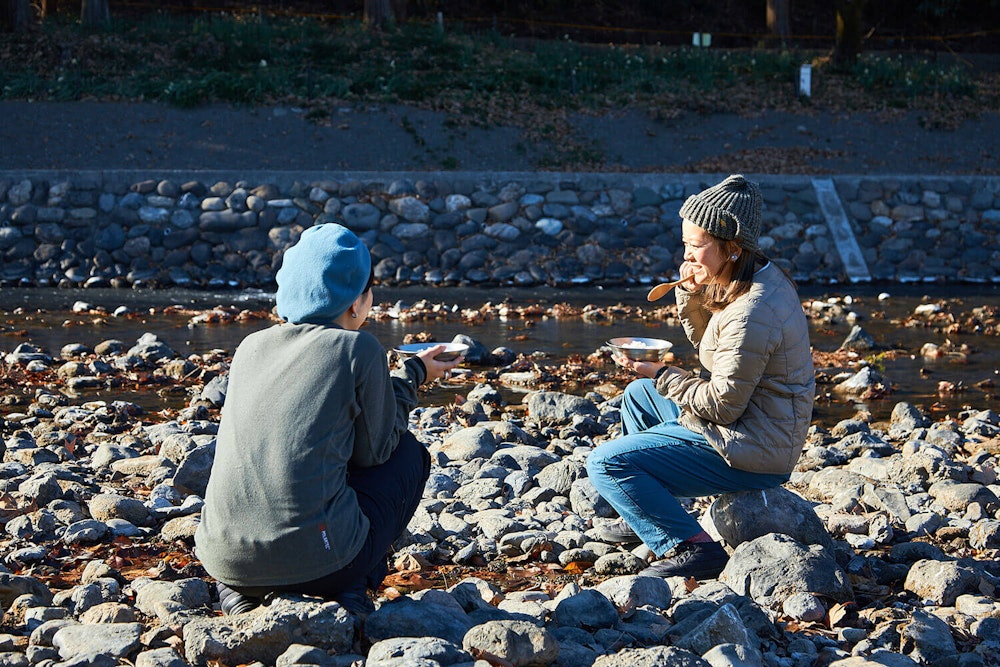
322, 275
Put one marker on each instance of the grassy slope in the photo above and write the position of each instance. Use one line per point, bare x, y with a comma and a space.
476, 78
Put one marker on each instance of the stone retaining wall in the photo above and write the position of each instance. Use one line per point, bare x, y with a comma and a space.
215, 230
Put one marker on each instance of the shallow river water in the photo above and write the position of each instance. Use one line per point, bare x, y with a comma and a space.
45, 318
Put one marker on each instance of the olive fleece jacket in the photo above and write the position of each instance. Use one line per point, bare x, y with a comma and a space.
303, 401
756, 404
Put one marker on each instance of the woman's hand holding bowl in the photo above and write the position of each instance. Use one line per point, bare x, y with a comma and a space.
645, 368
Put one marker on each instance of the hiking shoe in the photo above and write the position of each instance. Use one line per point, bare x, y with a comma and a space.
233, 603
701, 560
617, 532
356, 602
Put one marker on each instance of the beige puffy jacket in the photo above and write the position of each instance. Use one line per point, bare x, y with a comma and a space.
756, 405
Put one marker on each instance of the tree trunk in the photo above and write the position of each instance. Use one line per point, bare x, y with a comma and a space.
14, 15
49, 8
378, 14
399, 12
95, 12
850, 31
778, 18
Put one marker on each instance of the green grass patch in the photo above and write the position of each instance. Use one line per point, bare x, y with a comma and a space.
897, 77
256, 59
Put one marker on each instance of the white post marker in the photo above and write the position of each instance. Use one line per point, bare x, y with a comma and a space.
805, 80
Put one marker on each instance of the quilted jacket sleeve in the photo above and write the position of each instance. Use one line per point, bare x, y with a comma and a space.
736, 361
693, 315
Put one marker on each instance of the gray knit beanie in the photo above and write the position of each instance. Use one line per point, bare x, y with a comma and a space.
730, 210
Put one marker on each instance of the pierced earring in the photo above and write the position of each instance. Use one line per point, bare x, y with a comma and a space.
354, 315
734, 257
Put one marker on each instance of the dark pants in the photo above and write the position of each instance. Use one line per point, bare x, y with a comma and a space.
388, 495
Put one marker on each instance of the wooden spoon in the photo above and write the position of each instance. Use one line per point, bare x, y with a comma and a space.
661, 290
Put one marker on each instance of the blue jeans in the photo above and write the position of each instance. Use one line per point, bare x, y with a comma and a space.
642, 473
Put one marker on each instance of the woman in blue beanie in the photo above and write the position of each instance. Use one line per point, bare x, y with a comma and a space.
315, 473
738, 425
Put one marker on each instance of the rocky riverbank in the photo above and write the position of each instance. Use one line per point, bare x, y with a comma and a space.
100, 229
882, 549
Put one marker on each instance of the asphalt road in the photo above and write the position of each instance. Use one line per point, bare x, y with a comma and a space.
143, 136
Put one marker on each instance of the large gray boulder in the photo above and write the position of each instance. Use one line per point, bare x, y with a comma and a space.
150, 348
629, 592
115, 639
469, 443
107, 506
774, 567
940, 581
927, 639
408, 618
193, 472
588, 609
164, 599
402, 651
264, 634
746, 515
587, 502
876, 659
656, 656
723, 627
553, 407
13, 586
520, 643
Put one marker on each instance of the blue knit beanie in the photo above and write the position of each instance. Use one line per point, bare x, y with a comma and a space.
322, 275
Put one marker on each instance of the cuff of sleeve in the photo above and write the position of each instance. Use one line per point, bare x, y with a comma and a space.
684, 291
667, 375
416, 370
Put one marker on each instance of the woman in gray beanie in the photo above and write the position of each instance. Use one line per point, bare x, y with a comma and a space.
315, 473
738, 425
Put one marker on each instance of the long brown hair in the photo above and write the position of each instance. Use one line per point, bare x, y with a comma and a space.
716, 295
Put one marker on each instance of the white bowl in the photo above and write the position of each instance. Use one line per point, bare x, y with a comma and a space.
452, 350
637, 348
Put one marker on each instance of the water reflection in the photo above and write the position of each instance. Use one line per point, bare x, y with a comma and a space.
913, 377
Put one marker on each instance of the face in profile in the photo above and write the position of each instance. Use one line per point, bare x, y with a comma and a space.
704, 254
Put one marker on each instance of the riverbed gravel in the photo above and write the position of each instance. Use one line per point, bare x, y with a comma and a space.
881, 549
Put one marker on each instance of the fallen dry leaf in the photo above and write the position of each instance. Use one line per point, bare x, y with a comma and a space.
577, 567
411, 563
408, 581
838, 613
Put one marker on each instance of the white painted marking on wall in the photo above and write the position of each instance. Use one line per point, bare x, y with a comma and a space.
840, 228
